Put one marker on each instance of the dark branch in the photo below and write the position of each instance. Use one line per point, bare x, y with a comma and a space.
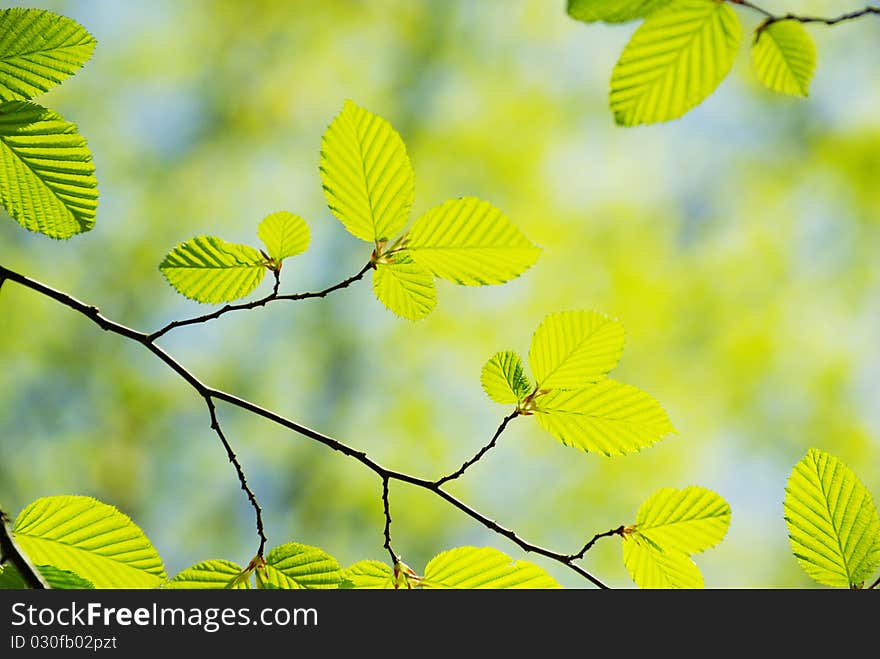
482, 451
215, 426
206, 392
10, 552
587, 547
875, 584
263, 301
386, 506
776, 18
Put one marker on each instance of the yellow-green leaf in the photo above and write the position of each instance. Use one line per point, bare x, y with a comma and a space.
405, 287
504, 380
470, 242
90, 538
213, 574
209, 269
833, 524
652, 567
483, 567
39, 49
368, 574
784, 57
292, 565
47, 178
612, 11
367, 175
284, 235
572, 349
607, 417
689, 520
675, 59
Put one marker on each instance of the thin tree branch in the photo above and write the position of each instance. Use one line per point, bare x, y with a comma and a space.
215, 426
482, 451
263, 301
9, 551
776, 18
875, 584
386, 506
587, 547
206, 392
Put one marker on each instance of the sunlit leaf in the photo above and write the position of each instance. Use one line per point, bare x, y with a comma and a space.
405, 287
652, 567
292, 565
607, 417
503, 378
689, 520
612, 11
47, 178
833, 524
90, 538
58, 579
483, 567
784, 57
470, 242
209, 269
368, 574
572, 349
213, 574
39, 49
675, 59
367, 175
284, 235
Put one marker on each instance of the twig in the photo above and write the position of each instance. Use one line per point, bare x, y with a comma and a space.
215, 426
386, 506
261, 302
206, 392
776, 18
482, 451
875, 584
9, 551
589, 545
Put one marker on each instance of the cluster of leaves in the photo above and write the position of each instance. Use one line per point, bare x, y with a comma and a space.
47, 178
369, 185
571, 354
684, 49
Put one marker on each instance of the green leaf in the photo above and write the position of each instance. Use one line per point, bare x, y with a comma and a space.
689, 520
213, 574
39, 49
674, 60
652, 567
612, 11
833, 525
483, 567
47, 178
293, 565
284, 235
405, 287
607, 417
503, 378
10, 578
368, 574
367, 176
784, 57
572, 349
90, 538
64, 579
209, 269
470, 242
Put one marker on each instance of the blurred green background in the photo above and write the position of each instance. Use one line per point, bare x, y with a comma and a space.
738, 245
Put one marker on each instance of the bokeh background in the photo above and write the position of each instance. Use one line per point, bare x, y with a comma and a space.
739, 246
